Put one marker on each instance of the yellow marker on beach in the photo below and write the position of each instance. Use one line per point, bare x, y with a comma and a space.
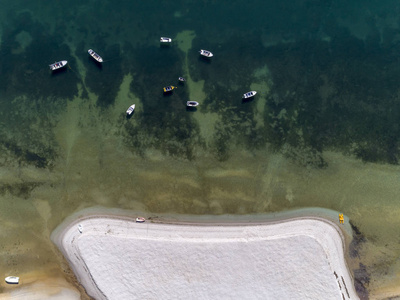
341, 219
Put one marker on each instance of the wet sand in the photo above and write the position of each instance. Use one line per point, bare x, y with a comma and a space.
116, 258
34, 288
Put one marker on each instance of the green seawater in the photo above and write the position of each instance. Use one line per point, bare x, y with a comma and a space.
322, 131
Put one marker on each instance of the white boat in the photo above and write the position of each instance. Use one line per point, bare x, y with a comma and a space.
130, 109
95, 56
249, 95
181, 79
165, 40
192, 103
140, 220
58, 65
12, 280
80, 228
206, 53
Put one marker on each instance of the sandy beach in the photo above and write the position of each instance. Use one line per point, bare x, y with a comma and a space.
117, 258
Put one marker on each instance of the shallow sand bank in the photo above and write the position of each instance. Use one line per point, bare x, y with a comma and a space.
34, 288
116, 258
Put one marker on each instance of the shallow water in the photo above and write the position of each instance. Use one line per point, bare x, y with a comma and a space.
321, 132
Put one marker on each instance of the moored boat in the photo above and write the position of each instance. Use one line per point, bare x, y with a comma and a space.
130, 109
206, 53
192, 103
140, 220
169, 88
165, 40
80, 228
181, 79
95, 56
58, 65
12, 280
249, 95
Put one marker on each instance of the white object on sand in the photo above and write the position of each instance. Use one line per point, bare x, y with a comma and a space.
12, 280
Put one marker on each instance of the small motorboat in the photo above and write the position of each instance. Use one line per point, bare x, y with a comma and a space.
192, 103
95, 56
12, 280
80, 228
249, 95
58, 65
206, 53
130, 110
181, 79
169, 88
165, 40
140, 220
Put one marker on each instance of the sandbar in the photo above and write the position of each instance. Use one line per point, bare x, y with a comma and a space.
116, 258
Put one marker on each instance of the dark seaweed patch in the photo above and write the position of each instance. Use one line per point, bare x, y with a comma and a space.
176, 136
27, 72
28, 156
221, 142
162, 122
20, 190
357, 241
105, 79
361, 281
338, 94
37, 160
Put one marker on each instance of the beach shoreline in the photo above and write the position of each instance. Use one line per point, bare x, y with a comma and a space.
295, 230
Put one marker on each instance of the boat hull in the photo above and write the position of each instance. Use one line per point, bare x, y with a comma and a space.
130, 109
12, 280
192, 103
95, 56
165, 40
249, 95
58, 65
206, 53
169, 89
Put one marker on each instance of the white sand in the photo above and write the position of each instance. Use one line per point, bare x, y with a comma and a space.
120, 259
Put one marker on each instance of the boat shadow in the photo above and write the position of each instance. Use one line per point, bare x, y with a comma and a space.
165, 46
59, 71
247, 100
95, 62
204, 59
168, 94
128, 117
191, 108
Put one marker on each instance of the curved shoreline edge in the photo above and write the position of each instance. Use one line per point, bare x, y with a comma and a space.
311, 229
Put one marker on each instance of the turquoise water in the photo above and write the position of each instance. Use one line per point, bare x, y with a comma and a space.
321, 132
